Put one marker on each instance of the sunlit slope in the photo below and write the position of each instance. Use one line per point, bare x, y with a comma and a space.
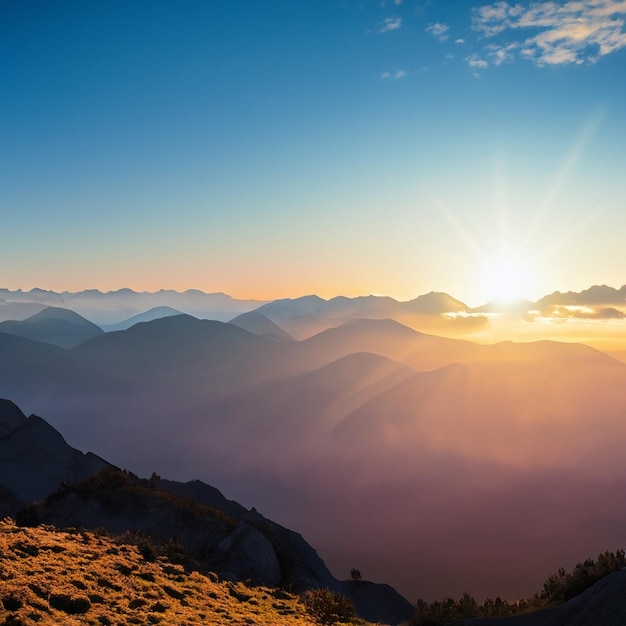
53, 577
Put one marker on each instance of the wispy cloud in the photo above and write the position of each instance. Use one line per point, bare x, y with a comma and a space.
476, 63
499, 54
576, 31
389, 24
395, 75
562, 313
438, 30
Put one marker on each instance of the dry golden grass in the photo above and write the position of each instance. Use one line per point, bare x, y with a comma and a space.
49, 576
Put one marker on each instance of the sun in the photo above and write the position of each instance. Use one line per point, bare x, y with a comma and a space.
506, 278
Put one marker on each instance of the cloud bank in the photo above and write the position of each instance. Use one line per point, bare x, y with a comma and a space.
551, 33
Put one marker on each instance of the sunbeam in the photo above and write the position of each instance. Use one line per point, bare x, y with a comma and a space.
570, 161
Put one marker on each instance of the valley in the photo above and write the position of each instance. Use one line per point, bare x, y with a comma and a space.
429, 462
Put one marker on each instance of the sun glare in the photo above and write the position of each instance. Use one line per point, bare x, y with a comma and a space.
506, 279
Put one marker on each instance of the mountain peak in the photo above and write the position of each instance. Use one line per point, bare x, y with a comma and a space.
11, 417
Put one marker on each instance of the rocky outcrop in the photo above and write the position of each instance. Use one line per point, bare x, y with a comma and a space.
301, 566
249, 555
122, 503
239, 545
376, 602
35, 459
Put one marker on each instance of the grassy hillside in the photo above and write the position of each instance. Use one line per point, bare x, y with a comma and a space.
49, 576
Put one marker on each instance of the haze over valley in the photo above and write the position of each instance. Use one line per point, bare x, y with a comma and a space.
429, 462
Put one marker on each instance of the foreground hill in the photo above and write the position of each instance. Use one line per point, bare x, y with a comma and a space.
76, 577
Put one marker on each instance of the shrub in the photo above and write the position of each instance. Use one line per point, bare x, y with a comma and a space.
30, 515
328, 607
563, 586
557, 589
69, 604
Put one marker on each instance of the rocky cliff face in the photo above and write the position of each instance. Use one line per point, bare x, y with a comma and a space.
123, 503
35, 459
301, 565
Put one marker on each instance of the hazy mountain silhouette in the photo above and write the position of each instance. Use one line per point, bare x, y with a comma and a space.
436, 302
257, 323
286, 308
307, 316
435, 312
32, 371
596, 295
60, 327
155, 313
390, 339
184, 349
18, 310
114, 306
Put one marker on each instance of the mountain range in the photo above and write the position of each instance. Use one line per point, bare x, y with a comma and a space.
595, 315
429, 462
113, 307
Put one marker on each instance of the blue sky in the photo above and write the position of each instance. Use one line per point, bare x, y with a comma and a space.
278, 148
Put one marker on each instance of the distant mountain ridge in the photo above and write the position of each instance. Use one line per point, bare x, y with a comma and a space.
305, 316
113, 307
